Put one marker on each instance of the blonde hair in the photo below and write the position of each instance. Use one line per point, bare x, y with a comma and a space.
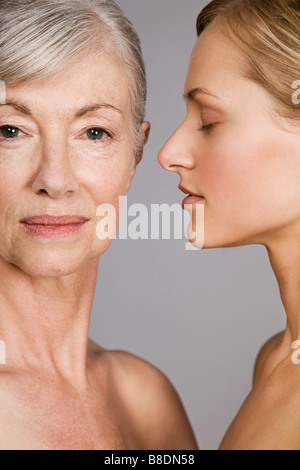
268, 33
39, 38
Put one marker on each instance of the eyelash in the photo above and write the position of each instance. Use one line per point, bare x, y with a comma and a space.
96, 141
89, 129
207, 128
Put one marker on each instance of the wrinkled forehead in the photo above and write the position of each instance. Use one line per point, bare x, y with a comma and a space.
96, 78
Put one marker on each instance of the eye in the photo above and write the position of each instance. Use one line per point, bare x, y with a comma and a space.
97, 134
206, 128
9, 132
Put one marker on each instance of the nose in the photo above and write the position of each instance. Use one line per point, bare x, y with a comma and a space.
55, 175
177, 152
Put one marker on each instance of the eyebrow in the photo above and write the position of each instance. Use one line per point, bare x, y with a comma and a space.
81, 112
191, 94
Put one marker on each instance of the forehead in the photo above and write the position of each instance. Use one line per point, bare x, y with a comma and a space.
215, 61
216, 66
97, 77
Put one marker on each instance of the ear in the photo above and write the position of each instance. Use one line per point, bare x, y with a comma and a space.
146, 126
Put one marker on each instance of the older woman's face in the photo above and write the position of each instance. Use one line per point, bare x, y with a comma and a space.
66, 147
245, 165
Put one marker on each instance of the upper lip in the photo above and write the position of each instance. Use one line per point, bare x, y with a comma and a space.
186, 191
46, 219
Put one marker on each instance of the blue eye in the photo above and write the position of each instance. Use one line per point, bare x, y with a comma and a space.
9, 132
97, 134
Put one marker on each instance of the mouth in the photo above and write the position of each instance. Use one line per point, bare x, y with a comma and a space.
191, 199
54, 221
189, 193
49, 226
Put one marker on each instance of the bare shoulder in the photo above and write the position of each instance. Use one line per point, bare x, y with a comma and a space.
153, 404
264, 352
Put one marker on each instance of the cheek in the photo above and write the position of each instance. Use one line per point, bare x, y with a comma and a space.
100, 181
105, 187
107, 182
14, 178
254, 178
106, 178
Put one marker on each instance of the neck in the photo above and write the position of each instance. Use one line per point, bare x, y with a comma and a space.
284, 256
44, 322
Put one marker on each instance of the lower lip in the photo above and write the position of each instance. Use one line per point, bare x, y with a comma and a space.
192, 200
52, 231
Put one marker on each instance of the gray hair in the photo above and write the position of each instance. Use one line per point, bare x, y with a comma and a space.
39, 38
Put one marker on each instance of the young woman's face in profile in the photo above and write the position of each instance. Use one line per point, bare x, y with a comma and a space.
73, 152
232, 152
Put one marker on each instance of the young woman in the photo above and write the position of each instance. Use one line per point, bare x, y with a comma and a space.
72, 131
238, 154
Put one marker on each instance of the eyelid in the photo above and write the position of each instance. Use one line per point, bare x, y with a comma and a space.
25, 130
108, 133
108, 125
99, 128
14, 127
105, 131
8, 124
207, 127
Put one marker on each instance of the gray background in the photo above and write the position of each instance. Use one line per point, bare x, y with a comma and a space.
199, 316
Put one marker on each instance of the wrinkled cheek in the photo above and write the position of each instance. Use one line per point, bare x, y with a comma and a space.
106, 195
14, 176
109, 184
11, 186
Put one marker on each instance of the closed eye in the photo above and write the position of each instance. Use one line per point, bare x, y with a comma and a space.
206, 128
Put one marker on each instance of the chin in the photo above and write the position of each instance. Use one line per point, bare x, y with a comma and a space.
49, 270
212, 239
57, 263
46, 258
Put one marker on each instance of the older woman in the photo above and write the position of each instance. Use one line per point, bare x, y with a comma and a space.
238, 155
72, 131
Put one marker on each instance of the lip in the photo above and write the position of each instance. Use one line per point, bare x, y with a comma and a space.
190, 193
192, 198
191, 201
57, 220
53, 226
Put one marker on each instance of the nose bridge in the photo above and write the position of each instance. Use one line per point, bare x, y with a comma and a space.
177, 152
55, 174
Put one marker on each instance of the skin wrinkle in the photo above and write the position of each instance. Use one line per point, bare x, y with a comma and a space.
89, 108
45, 327
70, 393
52, 295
